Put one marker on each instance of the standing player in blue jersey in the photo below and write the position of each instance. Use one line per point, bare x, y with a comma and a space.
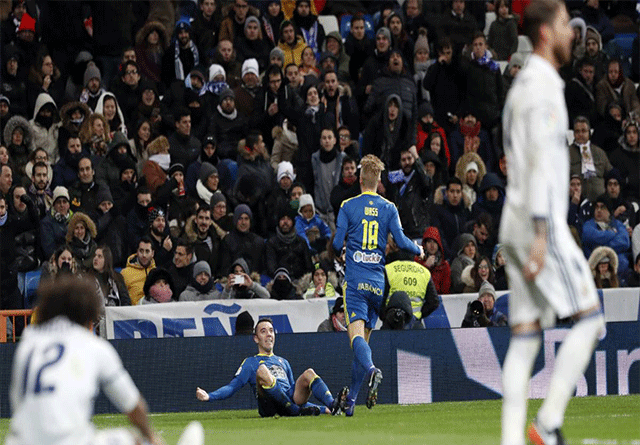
365, 221
272, 382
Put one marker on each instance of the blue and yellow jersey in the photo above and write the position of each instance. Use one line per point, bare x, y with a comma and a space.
246, 373
365, 221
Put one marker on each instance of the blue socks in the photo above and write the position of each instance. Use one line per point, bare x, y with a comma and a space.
321, 392
362, 351
358, 374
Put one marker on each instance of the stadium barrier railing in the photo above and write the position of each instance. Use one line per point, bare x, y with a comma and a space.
12, 314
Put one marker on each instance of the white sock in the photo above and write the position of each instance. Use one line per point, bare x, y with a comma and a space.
572, 360
516, 372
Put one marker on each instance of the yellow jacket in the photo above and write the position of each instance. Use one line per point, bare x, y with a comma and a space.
134, 277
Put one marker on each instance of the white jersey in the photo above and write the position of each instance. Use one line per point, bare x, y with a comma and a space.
58, 370
535, 120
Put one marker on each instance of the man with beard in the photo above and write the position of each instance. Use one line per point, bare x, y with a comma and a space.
138, 267
39, 190
307, 23
181, 267
246, 93
92, 86
183, 147
287, 249
372, 67
232, 26
65, 171
348, 187
580, 92
242, 283
137, 218
616, 87
242, 243
341, 108
53, 227
291, 43
163, 244
451, 215
182, 56
204, 238
84, 192
227, 125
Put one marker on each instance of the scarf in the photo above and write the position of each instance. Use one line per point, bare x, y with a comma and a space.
86, 95
214, 87
3, 219
470, 130
59, 217
618, 82
231, 116
487, 61
160, 294
350, 180
328, 156
163, 160
311, 35
203, 288
312, 111
178, 63
588, 166
203, 192
286, 238
268, 29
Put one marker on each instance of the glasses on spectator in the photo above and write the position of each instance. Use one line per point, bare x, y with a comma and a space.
483, 267
41, 158
344, 137
131, 73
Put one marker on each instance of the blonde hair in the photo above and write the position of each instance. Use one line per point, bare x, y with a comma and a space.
371, 167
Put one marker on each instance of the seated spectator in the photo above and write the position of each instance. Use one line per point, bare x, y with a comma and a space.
83, 193
307, 23
109, 284
44, 77
81, 235
158, 287
111, 227
118, 156
184, 148
633, 279
173, 196
92, 85
588, 160
156, 167
616, 87
222, 221
604, 230
151, 42
491, 195
241, 242
271, 21
337, 319
138, 270
207, 154
207, 184
626, 156
421, 63
435, 260
45, 125
60, 262
427, 126
432, 158
182, 55
246, 93
138, 218
18, 137
516, 63
181, 268
469, 136
205, 239
201, 286
308, 64
142, 135
282, 287
95, 135
323, 282
291, 43
470, 169
373, 65
287, 249
346, 145
595, 17
473, 276
279, 196
498, 261
484, 314
580, 93
580, 208
124, 191
503, 32
483, 230
241, 283
72, 116
333, 45
625, 210
311, 227
451, 215
347, 187
604, 267
108, 107
158, 233
227, 125
607, 133
467, 253
53, 227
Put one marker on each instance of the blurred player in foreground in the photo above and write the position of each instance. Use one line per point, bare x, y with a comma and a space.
59, 368
272, 382
365, 221
548, 274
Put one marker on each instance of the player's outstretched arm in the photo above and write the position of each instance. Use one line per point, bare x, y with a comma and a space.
202, 395
400, 238
139, 418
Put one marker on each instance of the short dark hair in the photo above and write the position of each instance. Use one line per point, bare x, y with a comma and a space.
443, 43
252, 139
188, 247
72, 296
39, 164
142, 190
356, 17
127, 64
272, 70
147, 240
288, 65
346, 160
262, 320
477, 35
204, 208
180, 113
324, 76
581, 120
454, 180
484, 219
538, 13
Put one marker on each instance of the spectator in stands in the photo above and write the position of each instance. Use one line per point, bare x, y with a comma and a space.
421, 63
205, 238
341, 108
206, 25
483, 229
151, 43
138, 270
173, 196
616, 87
181, 268
109, 284
469, 136
182, 55
323, 282
443, 81
626, 157
162, 241
20, 230
118, 156
291, 43
416, 19
282, 288
158, 288
389, 133
466, 255
347, 187
511, 71
603, 263
44, 77
327, 165
241, 242
625, 210
155, 169
279, 195
587, 159
11, 24
307, 23
94, 134
633, 279
92, 81
60, 262
608, 131
308, 66
293, 77
5, 113
45, 125
81, 235
184, 148
72, 115
6, 178
580, 208
232, 26
311, 227
137, 218
595, 55
242, 283
580, 92
201, 286
245, 94
487, 296
433, 167
109, 107
124, 191
451, 214
13, 86
65, 171
111, 227
274, 102
251, 44
285, 143
596, 18
458, 25
337, 320
470, 169
18, 137
400, 39
503, 32
347, 145
227, 125
83, 194
334, 47
435, 260
425, 128
491, 195
473, 276
225, 56
286, 248
358, 47
604, 230
373, 65
53, 227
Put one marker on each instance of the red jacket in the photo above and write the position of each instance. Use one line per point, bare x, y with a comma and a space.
440, 271
422, 136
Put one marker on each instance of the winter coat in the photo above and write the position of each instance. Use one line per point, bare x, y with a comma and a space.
390, 83
285, 145
503, 37
594, 186
461, 168
19, 154
82, 251
134, 277
581, 99
293, 54
255, 291
42, 137
108, 169
322, 200
444, 83
493, 208
201, 249
52, 233
598, 254
302, 225
342, 110
295, 256
342, 68
183, 149
627, 160
451, 221
616, 237
150, 68
440, 271
243, 245
228, 133
485, 93
112, 230
628, 99
413, 203
192, 294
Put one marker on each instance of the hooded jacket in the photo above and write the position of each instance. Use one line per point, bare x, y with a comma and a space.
254, 291
108, 170
469, 192
19, 154
600, 253
135, 276
461, 262
43, 137
440, 271
83, 250
285, 144
482, 205
343, 59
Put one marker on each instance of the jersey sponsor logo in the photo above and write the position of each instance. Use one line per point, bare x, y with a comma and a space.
370, 258
278, 372
371, 211
368, 287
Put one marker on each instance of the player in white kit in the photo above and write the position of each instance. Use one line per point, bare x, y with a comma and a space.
548, 274
58, 370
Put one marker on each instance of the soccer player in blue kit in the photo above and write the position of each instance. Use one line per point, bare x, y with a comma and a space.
272, 382
365, 221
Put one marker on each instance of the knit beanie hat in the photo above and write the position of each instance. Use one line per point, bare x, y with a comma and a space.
471, 166
217, 198
177, 167
250, 19
216, 70
277, 52
244, 323
421, 44
227, 92
201, 266
282, 272
487, 288
153, 214
104, 194
250, 66
240, 210
91, 72
207, 170
285, 168
384, 31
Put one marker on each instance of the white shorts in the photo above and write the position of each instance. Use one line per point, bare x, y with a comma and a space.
115, 436
563, 288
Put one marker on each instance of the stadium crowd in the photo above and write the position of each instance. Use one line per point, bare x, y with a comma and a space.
191, 150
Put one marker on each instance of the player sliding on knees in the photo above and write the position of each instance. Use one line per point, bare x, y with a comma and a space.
366, 221
272, 382
59, 368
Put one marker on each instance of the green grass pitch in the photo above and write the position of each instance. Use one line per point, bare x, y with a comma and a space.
613, 420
